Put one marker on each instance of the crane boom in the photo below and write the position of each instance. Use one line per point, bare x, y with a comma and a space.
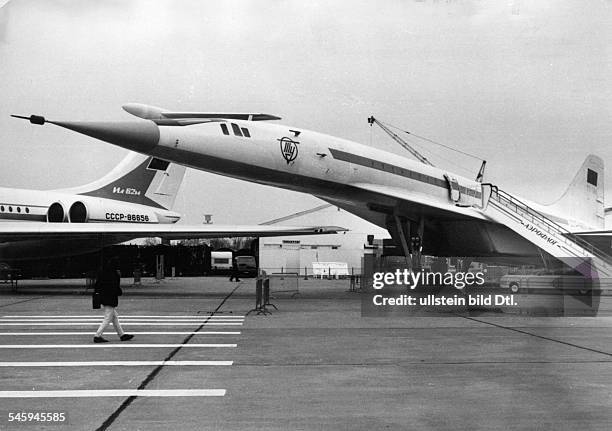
400, 141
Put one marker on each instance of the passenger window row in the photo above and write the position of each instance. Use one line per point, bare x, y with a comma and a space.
238, 131
10, 209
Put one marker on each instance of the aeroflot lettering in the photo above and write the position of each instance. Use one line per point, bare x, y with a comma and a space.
539, 233
142, 218
126, 191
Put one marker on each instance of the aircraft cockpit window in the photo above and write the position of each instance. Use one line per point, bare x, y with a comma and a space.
236, 129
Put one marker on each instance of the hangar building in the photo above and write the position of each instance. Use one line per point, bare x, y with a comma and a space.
298, 253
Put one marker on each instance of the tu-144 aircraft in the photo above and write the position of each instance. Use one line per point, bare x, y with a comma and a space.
132, 201
448, 214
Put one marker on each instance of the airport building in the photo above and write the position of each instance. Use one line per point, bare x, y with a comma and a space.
308, 255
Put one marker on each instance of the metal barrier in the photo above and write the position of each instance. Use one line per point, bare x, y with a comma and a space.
285, 282
266, 295
355, 283
11, 276
90, 282
262, 296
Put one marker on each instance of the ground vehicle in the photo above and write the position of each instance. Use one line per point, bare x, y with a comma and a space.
221, 260
246, 265
542, 282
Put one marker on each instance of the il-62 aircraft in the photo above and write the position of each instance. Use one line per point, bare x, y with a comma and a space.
134, 200
447, 214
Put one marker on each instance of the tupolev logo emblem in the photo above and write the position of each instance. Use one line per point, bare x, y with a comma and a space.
289, 149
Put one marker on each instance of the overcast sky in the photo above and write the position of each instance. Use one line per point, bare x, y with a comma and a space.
525, 85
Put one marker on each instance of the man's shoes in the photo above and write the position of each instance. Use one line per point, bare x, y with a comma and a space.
100, 340
126, 337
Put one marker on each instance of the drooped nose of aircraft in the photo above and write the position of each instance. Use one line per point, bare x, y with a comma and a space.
141, 136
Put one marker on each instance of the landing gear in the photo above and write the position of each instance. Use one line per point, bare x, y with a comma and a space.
410, 235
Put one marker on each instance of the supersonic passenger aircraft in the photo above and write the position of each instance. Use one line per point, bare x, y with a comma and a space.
134, 200
447, 214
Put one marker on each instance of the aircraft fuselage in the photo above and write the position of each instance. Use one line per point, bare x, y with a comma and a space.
35, 205
310, 162
25, 205
350, 175
381, 187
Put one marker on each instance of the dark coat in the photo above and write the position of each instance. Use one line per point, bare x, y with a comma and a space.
107, 284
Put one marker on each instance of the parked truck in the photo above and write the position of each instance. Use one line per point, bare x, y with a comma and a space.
247, 265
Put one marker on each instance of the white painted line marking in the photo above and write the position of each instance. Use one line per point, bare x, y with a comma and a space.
114, 363
122, 318
122, 324
131, 332
115, 393
184, 316
112, 345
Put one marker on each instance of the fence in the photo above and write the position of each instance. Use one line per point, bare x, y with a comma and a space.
307, 272
284, 282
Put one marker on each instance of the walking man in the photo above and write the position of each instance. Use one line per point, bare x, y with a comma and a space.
108, 284
235, 272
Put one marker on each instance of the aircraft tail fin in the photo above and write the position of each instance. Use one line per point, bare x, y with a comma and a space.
138, 179
583, 200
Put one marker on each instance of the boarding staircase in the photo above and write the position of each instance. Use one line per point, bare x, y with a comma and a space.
544, 233
536, 228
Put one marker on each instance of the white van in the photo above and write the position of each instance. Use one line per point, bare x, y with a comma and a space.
220, 260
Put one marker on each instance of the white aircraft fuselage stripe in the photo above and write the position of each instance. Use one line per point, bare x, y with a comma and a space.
115, 393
